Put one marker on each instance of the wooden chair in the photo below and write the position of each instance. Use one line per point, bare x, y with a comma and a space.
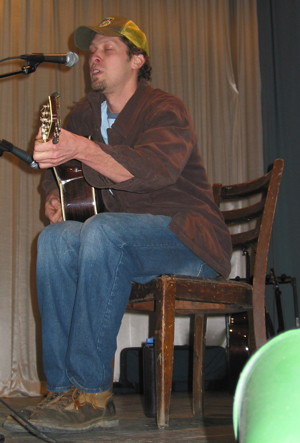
171, 294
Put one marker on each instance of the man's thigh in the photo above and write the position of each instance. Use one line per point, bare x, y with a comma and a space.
148, 242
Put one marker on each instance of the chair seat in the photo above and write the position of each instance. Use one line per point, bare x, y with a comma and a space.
211, 295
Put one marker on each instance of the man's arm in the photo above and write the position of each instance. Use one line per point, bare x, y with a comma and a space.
72, 146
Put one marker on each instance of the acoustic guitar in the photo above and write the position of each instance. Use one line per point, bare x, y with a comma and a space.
78, 198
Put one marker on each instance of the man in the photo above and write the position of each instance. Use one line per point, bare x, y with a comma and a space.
159, 218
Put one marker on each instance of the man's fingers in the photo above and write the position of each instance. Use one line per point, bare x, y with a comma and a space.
53, 209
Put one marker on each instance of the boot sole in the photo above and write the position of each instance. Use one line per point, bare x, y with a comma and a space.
45, 427
11, 424
14, 427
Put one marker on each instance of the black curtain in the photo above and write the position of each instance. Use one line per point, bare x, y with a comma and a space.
279, 46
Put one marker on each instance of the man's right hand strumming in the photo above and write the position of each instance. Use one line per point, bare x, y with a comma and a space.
53, 209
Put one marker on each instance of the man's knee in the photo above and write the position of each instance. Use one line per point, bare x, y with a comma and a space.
57, 234
103, 228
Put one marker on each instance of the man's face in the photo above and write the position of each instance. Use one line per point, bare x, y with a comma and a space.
110, 66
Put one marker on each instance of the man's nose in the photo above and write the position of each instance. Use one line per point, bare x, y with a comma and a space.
95, 57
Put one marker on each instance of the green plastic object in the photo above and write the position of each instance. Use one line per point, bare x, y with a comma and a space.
266, 406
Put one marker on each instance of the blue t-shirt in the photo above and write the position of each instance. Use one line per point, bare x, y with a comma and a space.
107, 120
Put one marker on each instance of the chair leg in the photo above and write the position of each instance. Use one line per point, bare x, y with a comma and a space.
258, 322
198, 364
164, 349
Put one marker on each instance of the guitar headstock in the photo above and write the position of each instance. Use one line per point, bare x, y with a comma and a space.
50, 119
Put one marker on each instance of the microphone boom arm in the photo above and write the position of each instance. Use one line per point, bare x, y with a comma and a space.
28, 69
6, 146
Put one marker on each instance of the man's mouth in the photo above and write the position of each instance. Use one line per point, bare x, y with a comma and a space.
95, 71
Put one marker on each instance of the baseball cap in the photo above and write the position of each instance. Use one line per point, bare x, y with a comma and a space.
114, 27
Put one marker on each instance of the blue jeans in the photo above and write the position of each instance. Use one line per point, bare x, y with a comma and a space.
84, 275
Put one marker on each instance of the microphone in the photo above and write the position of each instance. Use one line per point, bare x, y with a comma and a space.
70, 59
6, 146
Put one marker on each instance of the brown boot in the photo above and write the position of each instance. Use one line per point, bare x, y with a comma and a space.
12, 425
77, 411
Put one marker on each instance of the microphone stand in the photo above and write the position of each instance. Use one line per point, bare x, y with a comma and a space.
28, 69
6, 146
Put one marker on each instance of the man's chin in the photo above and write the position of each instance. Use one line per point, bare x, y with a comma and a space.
98, 86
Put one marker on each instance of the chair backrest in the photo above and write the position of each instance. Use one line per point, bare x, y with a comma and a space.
257, 219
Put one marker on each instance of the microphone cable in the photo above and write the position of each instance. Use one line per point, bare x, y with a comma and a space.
8, 58
28, 426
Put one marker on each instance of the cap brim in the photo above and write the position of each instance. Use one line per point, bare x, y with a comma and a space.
83, 37
85, 34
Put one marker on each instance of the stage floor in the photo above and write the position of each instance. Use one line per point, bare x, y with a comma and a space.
216, 427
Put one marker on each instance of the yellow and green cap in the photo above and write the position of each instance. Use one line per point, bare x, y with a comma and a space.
114, 27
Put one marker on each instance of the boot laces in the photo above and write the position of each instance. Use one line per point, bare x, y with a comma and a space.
78, 398
50, 396
78, 403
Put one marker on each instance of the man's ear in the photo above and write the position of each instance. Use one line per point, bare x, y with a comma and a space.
138, 60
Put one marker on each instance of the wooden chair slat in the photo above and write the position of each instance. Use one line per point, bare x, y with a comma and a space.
241, 215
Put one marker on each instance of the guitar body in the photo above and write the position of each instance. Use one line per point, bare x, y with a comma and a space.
78, 198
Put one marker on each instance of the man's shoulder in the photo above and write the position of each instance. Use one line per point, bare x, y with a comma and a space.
159, 93
156, 97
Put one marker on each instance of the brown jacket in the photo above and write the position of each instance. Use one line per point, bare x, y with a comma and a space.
154, 139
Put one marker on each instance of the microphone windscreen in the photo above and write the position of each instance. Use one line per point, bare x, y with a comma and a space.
72, 59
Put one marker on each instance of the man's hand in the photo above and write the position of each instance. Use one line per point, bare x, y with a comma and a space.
53, 209
49, 155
